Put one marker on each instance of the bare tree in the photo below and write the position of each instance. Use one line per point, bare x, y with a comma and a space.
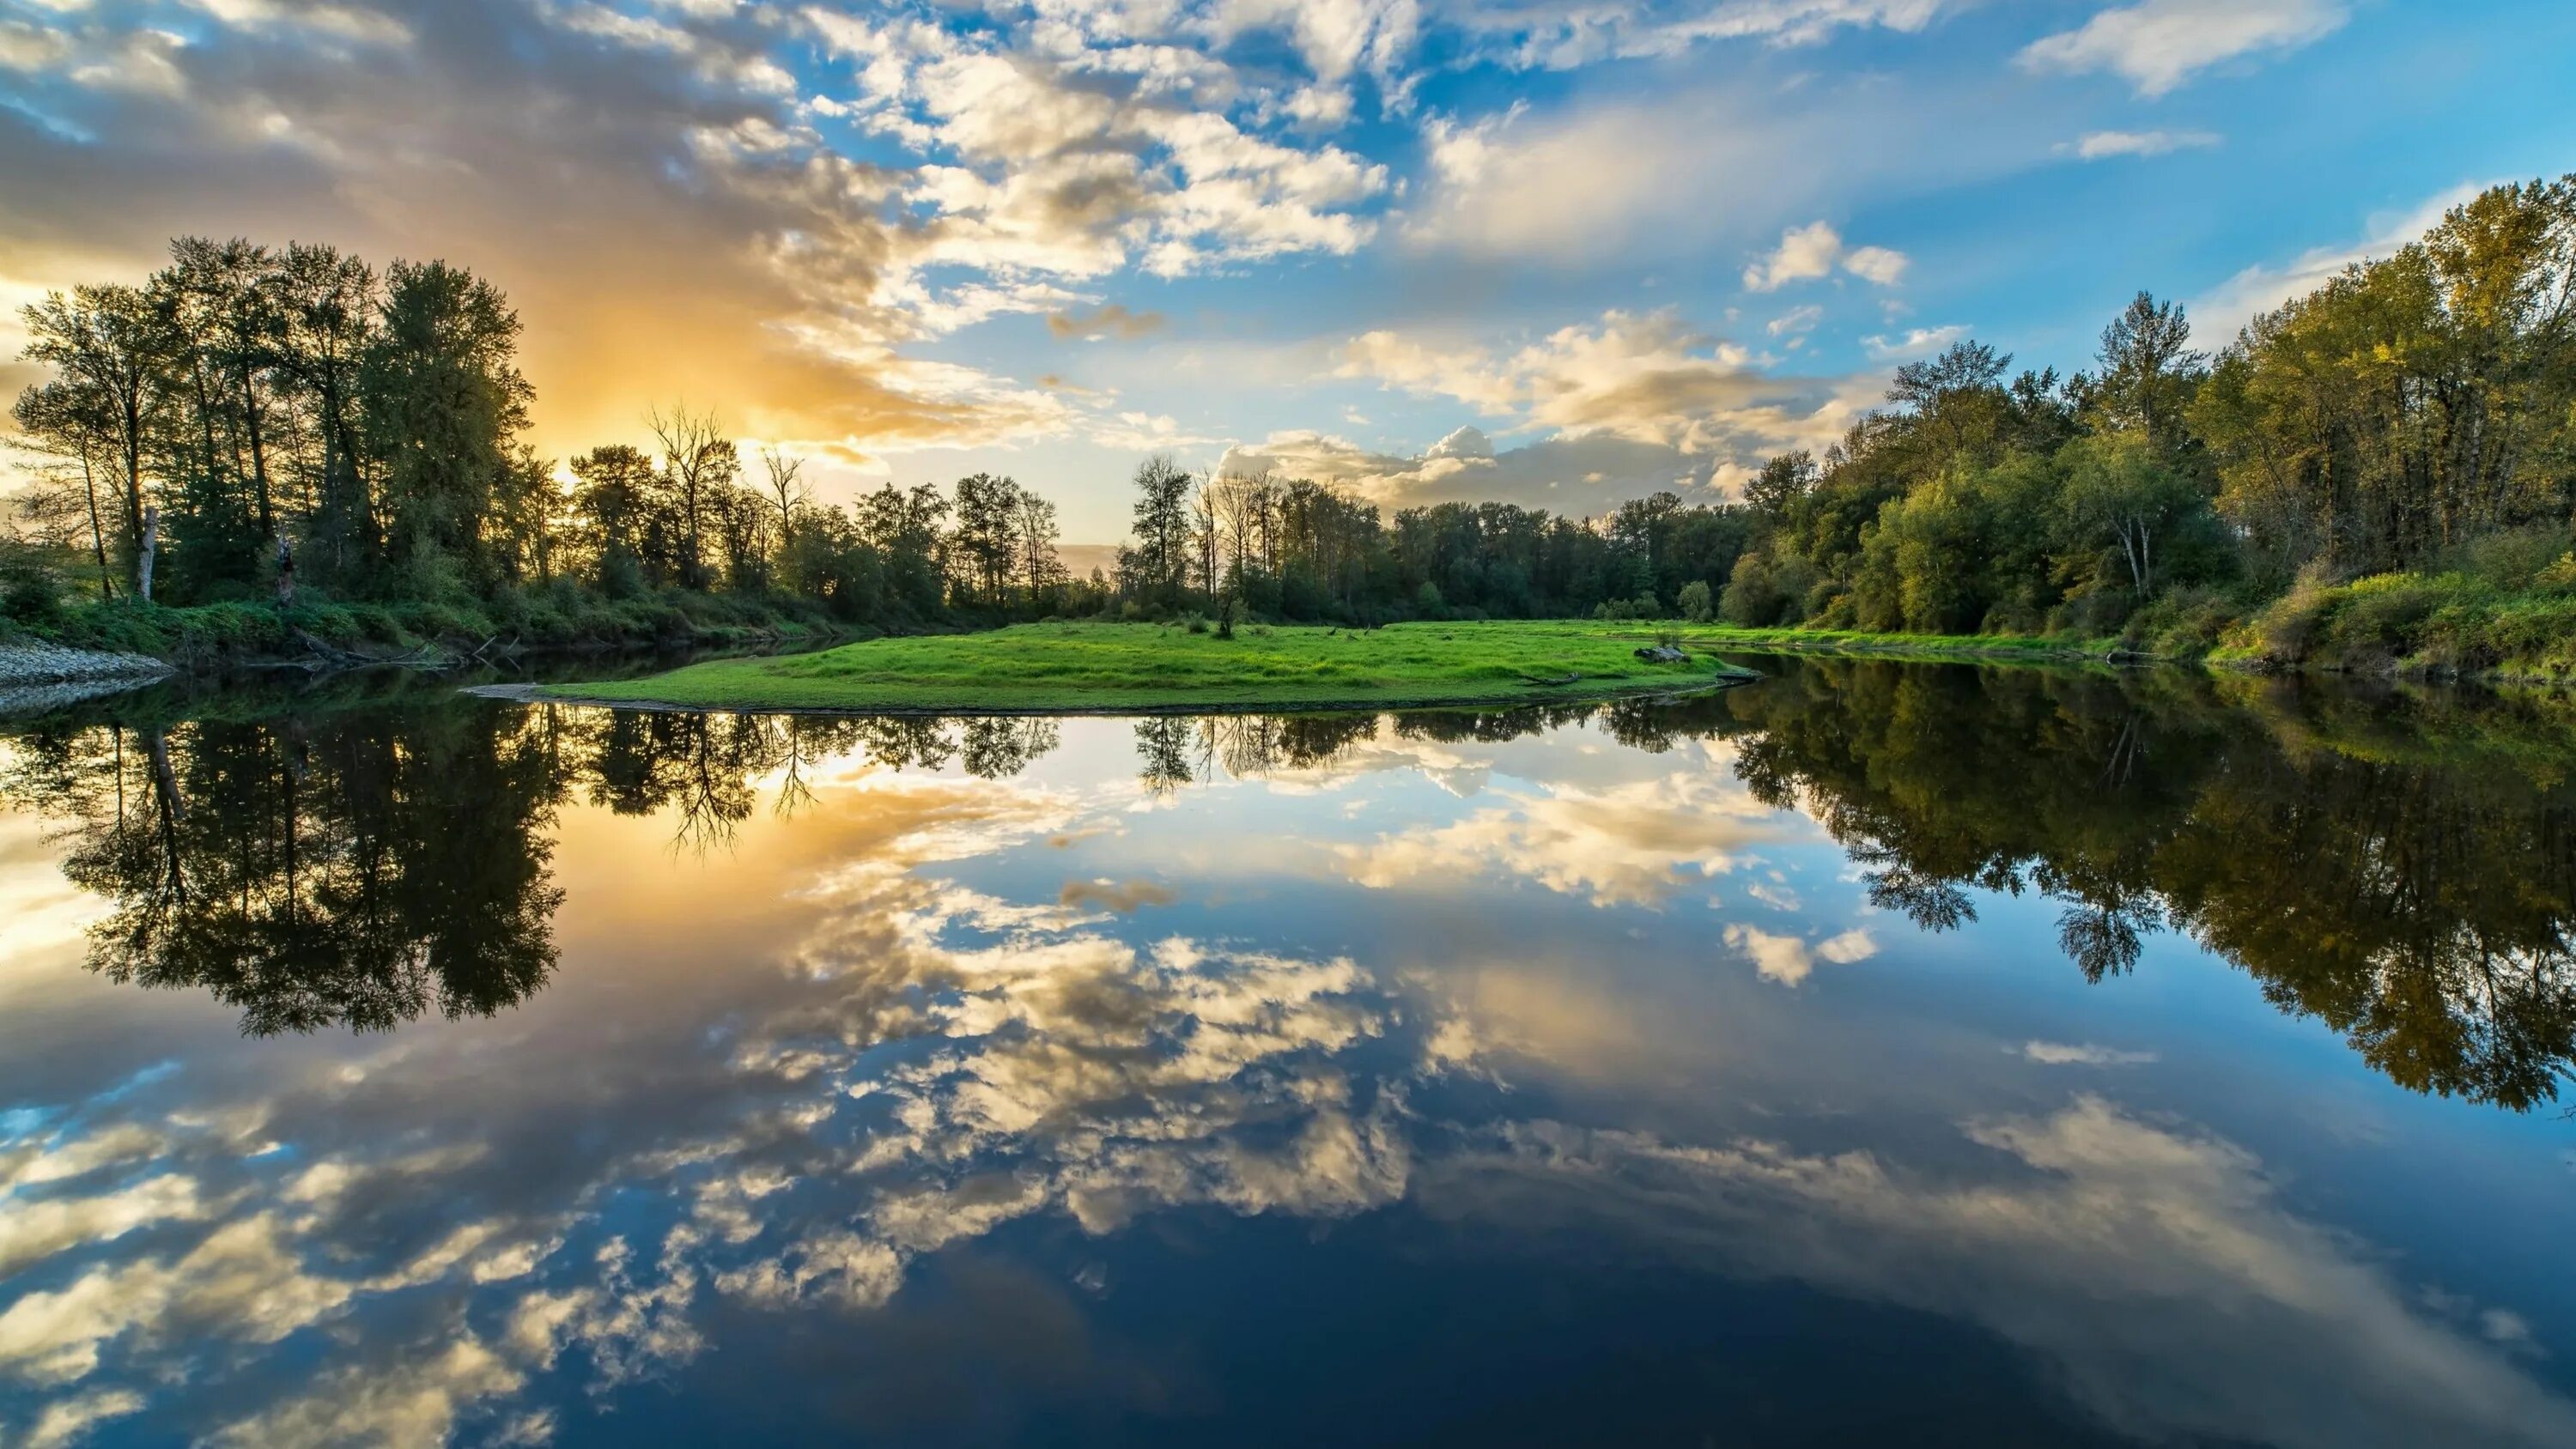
1040, 569
699, 461
68, 428
786, 491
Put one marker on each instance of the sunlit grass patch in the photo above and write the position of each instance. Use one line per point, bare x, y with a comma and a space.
1096, 666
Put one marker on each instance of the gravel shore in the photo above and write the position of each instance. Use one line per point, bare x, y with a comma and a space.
23, 664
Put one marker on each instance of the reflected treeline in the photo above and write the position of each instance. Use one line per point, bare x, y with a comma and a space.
363, 867
360, 869
1181, 750
2403, 868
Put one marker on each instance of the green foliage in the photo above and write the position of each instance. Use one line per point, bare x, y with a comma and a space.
2447, 623
2411, 403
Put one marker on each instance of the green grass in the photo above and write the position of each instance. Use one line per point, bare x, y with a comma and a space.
1146, 666
1979, 647
2443, 625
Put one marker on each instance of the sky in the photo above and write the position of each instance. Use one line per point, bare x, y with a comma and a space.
1559, 254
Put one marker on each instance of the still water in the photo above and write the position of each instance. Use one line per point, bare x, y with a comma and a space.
1881, 1053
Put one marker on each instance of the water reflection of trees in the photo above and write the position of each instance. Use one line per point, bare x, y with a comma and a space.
363, 867
1180, 750
2407, 879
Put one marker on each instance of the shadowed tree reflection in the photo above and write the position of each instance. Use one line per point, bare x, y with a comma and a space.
2401, 868
363, 867
357, 870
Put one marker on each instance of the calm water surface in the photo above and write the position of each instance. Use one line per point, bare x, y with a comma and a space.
1882, 1053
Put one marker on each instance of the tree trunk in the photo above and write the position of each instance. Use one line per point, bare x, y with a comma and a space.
258, 454
151, 544
97, 533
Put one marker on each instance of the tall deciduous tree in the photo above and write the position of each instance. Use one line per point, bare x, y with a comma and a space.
105, 342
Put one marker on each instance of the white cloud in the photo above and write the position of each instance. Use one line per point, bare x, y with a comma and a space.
1795, 322
2100, 145
1814, 251
1647, 377
2159, 44
1564, 37
2217, 314
1917, 342
2122, 1242
67, 1421
1652, 174
1623, 845
1790, 960
2061, 1054
1632, 404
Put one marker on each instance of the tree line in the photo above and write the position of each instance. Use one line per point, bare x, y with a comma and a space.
249, 418
250, 421
2413, 413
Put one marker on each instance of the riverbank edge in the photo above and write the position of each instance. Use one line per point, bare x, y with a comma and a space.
213, 641
29, 663
1982, 650
2109, 653
1724, 678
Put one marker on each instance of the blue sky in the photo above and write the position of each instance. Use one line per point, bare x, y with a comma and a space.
1558, 253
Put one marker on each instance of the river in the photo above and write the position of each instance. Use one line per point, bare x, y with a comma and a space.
1882, 1052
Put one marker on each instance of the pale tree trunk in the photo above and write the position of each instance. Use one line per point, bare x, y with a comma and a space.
143, 558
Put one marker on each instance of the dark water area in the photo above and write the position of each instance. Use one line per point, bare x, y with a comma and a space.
1880, 1053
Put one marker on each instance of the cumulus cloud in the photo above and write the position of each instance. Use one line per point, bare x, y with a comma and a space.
657, 187
1631, 404
2159, 44
1619, 178
1815, 251
1795, 322
1629, 844
1790, 960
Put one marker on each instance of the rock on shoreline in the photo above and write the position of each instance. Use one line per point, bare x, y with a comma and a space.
28, 663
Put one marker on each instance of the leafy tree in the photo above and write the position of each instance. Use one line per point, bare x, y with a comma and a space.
443, 400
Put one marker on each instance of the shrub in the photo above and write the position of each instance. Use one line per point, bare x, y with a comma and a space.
1695, 603
2281, 634
2512, 559
29, 593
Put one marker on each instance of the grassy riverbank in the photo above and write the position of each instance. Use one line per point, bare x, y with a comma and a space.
1103, 667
